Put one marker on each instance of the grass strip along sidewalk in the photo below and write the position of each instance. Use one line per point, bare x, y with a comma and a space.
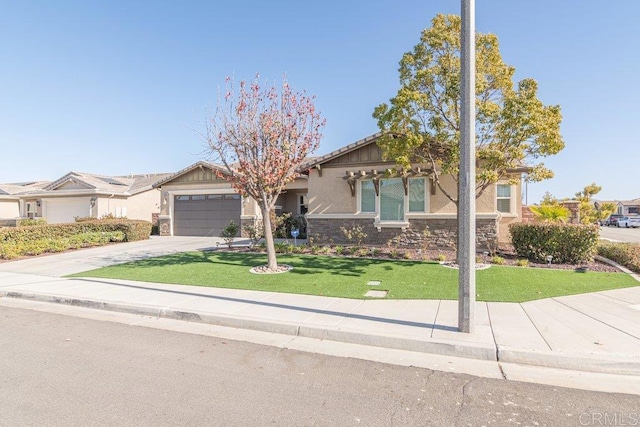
348, 277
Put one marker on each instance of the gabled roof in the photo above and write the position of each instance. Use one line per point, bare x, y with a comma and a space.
101, 184
20, 188
201, 164
146, 182
634, 202
98, 183
312, 162
316, 161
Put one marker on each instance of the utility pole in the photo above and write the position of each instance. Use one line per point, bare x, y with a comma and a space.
467, 184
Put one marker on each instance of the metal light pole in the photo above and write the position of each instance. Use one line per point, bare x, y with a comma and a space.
467, 185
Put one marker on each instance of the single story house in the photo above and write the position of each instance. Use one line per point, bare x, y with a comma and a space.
10, 199
623, 207
350, 187
88, 195
354, 187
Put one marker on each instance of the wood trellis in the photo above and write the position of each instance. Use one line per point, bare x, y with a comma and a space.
375, 175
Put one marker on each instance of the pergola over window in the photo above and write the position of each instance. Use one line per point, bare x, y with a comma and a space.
390, 194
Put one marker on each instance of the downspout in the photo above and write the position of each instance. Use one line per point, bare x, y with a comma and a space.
109, 204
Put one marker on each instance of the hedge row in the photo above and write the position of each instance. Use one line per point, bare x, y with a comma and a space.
15, 248
132, 230
626, 254
566, 243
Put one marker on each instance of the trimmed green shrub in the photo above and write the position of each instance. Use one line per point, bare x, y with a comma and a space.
14, 249
132, 229
626, 254
566, 243
497, 260
229, 233
31, 221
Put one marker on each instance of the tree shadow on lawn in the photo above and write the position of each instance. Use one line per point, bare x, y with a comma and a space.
312, 264
302, 264
183, 258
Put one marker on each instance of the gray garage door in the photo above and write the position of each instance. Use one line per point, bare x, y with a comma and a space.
205, 214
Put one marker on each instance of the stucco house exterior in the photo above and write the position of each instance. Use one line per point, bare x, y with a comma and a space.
89, 195
347, 188
11, 207
354, 187
623, 207
196, 202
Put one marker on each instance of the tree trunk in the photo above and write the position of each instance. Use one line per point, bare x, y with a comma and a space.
272, 263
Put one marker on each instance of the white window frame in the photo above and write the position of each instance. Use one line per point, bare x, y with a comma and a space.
300, 199
511, 198
407, 214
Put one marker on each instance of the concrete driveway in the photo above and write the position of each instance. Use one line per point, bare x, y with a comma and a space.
58, 265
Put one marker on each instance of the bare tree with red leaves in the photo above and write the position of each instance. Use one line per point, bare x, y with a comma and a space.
262, 136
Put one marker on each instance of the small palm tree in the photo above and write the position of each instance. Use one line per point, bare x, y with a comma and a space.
551, 213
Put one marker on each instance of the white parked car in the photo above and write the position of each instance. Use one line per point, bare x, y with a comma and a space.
629, 221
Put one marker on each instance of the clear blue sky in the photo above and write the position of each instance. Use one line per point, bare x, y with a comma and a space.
115, 87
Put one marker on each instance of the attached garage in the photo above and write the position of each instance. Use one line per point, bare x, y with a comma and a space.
65, 209
204, 214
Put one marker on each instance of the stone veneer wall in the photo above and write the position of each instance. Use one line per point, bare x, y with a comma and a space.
442, 233
527, 215
574, 210
12, 222
165, 225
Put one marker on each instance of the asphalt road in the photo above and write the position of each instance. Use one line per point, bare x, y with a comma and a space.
62, 370
621, 235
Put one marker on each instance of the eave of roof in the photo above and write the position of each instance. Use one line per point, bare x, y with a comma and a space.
74, 193
67, 177
520, 169
188, 169
341, 151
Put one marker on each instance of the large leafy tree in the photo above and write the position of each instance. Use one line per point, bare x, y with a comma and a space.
262, 136
422, 122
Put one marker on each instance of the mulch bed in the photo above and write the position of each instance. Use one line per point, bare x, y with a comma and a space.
443, 255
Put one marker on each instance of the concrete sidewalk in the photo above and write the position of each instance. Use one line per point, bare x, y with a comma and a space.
598, 332
589, 340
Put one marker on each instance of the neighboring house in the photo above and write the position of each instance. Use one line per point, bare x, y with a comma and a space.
353, 187
347, 188
623, 207
626, 207
10, 199
89, 195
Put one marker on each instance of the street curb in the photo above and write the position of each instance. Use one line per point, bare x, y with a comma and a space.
588, 362
440, 347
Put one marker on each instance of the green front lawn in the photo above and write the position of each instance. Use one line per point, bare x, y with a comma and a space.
348, 277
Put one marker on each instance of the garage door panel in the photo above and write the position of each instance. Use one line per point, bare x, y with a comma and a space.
65, 210
204, 216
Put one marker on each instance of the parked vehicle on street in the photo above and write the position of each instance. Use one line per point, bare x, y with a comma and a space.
612, 220
629, 221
